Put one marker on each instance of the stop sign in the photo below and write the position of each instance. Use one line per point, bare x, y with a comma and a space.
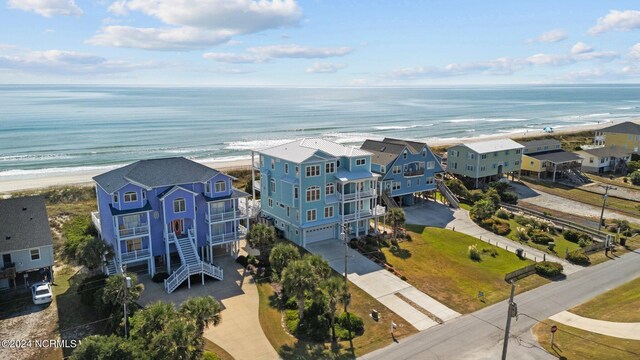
554, 328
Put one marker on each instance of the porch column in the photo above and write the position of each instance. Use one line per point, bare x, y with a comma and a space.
152, 268
248, 215
166, 243
555, 166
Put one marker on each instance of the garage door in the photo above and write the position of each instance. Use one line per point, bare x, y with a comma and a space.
320, 233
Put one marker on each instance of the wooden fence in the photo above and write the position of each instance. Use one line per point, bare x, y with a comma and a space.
520, 273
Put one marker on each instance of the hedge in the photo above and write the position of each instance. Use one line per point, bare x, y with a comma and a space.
549, 269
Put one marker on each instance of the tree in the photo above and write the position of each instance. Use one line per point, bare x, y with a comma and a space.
262, 237
335, 289
202, 311
492, 195
633, 166
152, 320
281, 255
178, 340
482, 209
89, 253
110, 347
635, 178
457, 188
396, 217
298, 279
113, 295
319, 266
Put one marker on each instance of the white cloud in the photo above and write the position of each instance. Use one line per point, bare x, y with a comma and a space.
325, 68
66, 63
196, 24
634, 52
232, 58
616, 20
298, 51
581, 48
550, 36
547, 59
47, 8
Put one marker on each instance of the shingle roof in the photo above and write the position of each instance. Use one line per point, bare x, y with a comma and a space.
300, 150
626, 127
388, 149
558, 156
482, 147
24, 224
414, 146
608, 151
156, 172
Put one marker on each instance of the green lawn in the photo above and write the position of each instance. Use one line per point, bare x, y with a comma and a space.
437, 263
212, 347
575, 344
620, 304
376, 334
562, 245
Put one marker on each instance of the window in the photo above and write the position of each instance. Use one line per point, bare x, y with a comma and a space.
506, 152
273, 164
455, 153
297, 215
288, 211
518, 151
430, 180
270, 202
144, 195
424, 152
330, 168
313, 170
495, 166
286, 168
396, 185
483, 168
517, 162
134, 245
130, 197
179, 205
455, 165
409, 183
115, 198
471, 156
495, 154
418, 182
297, 170
311, 215
382, 169
483, 156
207, 187
361, 162
296, 192
35, 254
330, 189
272, 185
470, 167
221, 186
531, 163
404, 154
313, 193
431, 164
506, 163
396, 170
328, 212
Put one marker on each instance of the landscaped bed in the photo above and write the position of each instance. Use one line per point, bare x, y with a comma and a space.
437, 262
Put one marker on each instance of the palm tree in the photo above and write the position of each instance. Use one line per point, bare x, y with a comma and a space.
202, 311
298, 279
335, 289
320, 266
262, 237
396, 217
281, 255
152, 320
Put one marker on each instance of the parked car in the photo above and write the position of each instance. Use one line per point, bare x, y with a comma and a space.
41, 293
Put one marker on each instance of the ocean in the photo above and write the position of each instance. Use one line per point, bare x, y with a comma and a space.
61, 128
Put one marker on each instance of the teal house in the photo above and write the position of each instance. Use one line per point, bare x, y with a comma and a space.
314, 190
405, 168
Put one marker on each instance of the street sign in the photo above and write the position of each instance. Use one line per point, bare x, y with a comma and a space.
554, 328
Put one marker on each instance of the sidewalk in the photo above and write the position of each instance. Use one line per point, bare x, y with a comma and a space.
621, 330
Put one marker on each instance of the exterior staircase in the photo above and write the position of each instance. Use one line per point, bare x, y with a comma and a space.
575, 176
191, 263
388, 201
112, 267
448, 194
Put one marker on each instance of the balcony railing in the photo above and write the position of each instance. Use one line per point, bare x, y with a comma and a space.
356, 195
142, 229
239, 234
358, 215
95, 218
414, 173
225, 216
135, 255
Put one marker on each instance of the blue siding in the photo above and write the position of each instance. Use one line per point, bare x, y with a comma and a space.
411, 182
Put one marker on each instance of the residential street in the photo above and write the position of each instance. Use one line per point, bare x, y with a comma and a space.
479, 335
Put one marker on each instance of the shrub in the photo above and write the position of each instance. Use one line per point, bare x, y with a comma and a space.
584, 241
482, 209
571, 235
160, 277
77, 230
349, 322
540, 237
524, 221
509, 197
474, 254
457, 187
625, 179
578, 257
522, 233
549, 269
490, 251
633, 166
88, 288
635, 177
503, 214
242, 260
476, 195
501, 228
488, 223
208, 355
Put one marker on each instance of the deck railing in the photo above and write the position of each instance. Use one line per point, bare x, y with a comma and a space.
135, 255
225, 216
143, 229
356, 195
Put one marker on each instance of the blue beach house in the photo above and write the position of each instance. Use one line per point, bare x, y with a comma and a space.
313, 189
170, 212
405, 168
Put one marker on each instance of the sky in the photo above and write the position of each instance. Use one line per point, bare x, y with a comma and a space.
319, 42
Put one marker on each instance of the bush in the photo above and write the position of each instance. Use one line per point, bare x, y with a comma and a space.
571, 235
540, 237
584, 242
482, 210
549, 269
503, 214
242, 260
208, 355
509, 197
501, 228
488, 223
525, 221
633, 166
88, 288
578, 257
160, 277
75, 231
346, 322
474, 254
635, 178
490, 251
522, 233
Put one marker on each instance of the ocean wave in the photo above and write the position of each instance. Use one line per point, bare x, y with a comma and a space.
56, 170
224, 159
188, 150
400, 127
255, 144
465, 120
351, 138
36, 157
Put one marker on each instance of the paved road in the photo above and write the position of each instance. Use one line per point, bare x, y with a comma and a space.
479, 335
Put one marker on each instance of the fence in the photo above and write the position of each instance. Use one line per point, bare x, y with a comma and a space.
525, 271
594, 247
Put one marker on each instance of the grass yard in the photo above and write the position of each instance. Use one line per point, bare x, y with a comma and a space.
437, 263
575, 344
376, 334
212, 347
624, 206
620, 304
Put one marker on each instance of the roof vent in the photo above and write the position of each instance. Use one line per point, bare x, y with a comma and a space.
7, 237
24, 209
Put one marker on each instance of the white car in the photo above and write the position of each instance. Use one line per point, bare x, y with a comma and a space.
41, 293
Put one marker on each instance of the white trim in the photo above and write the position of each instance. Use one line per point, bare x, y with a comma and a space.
31, 256
176, 188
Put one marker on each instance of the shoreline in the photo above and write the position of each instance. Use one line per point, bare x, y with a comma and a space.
21, 183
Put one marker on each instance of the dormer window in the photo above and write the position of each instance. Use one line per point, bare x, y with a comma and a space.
424, 152
360, 162
221, 186
115, 198
179, 205
404, 154
130, 196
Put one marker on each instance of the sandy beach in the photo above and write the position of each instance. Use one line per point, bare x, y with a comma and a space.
18, 183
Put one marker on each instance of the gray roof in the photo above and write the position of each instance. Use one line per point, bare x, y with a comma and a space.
155, 173
559, 156
482, 147
626, 127
299, 151
24, 224
541, 142
388, 149
608, 151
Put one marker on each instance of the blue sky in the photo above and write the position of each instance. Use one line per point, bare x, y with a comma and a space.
319, 42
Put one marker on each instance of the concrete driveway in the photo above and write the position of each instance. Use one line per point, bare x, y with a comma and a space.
384, 286
429, 213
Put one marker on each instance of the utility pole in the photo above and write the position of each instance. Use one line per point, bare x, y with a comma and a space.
127, 285
512, 312
344, 234
604, 202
